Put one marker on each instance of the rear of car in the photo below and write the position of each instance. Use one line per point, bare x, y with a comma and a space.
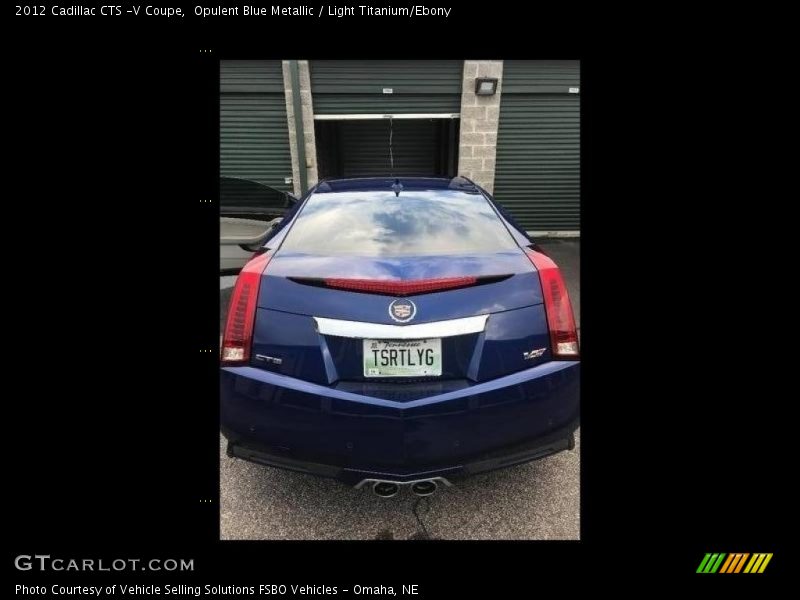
399, 331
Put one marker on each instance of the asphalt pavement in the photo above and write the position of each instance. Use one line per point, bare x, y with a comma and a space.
538, 500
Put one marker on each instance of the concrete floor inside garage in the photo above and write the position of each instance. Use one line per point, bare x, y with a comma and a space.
539, 500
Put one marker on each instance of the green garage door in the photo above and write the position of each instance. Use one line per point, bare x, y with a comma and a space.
537, 173
386, 86
253, 132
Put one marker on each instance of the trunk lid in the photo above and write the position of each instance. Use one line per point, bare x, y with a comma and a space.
281, 291
287, 336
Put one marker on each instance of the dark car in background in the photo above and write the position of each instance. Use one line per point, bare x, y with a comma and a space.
248, 212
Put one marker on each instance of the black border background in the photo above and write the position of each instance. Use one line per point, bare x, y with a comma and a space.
113, 408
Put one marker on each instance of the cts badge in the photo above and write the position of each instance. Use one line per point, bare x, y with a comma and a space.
402, 311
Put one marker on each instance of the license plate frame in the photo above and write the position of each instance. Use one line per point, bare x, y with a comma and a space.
420, 358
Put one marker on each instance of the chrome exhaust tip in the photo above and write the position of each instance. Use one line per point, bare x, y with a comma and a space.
424, 488
385, 489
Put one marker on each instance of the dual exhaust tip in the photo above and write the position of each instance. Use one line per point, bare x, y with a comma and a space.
387, 489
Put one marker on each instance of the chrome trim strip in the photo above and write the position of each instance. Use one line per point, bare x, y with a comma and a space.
418, 331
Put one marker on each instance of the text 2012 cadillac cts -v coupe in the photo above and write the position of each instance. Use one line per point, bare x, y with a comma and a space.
399, 332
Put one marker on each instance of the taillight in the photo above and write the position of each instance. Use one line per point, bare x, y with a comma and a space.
238, 336
560, 320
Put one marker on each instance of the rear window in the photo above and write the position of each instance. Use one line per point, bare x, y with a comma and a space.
377, 223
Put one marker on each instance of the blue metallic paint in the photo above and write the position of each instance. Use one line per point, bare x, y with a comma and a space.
306, 421
309, 356
317, 406
279, 293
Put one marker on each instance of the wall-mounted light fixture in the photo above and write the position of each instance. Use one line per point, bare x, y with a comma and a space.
485, 86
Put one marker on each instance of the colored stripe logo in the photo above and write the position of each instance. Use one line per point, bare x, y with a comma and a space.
738, 562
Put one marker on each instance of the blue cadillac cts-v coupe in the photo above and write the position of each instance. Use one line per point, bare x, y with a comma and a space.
399, 332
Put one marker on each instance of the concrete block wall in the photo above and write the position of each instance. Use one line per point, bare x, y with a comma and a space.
480, 116
308, 124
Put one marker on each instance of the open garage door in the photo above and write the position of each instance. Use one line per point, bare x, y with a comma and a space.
353, 103
353, 148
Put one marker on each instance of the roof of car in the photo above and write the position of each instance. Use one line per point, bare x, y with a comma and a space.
385, 184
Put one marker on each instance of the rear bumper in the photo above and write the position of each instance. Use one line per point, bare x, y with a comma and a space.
287, 423
561, 440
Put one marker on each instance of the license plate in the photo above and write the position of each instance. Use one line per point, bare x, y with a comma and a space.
402, 358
